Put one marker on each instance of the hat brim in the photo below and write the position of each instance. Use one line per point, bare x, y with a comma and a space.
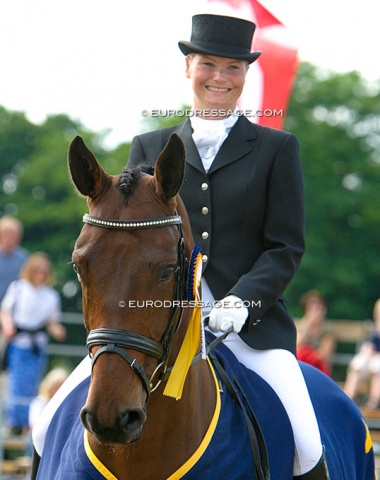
189, 47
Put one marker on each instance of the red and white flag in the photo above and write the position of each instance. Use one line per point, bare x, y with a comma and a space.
270, 79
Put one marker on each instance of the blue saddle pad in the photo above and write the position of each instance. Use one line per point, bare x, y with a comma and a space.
228, 454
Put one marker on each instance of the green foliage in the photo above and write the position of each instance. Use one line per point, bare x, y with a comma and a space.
337, 121
163, 119
17, 138
40, 193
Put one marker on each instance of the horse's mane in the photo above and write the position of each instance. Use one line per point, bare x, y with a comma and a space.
130, 175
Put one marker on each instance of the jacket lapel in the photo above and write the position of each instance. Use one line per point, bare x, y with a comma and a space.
237, 144
185, 132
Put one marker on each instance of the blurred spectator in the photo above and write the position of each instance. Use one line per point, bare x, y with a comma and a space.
49, 385
315, 343
12, 256
366, 365
29, 308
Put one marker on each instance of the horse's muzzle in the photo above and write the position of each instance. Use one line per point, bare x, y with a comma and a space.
126, 429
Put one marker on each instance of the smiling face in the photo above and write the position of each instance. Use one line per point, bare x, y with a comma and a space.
217, 81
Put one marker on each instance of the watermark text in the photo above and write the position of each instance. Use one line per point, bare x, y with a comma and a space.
213, 113
186, 304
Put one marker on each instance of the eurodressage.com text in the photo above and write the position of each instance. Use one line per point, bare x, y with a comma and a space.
187, 304
268, 112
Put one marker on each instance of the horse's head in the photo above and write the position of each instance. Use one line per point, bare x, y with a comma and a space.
130, 259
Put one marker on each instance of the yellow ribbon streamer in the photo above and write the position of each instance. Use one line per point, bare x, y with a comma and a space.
189, 347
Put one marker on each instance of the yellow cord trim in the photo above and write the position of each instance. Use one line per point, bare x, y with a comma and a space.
368, 439
207, 438
189, 463
95, 461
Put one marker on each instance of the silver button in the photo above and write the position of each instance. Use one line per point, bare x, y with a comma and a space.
204, 235
204, 258
204, 186
205, 210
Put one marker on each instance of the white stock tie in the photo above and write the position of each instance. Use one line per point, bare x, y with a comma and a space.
208, 136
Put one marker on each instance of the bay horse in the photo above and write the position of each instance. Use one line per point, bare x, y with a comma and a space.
113, 418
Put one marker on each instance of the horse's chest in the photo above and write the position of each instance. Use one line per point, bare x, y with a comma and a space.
224, 452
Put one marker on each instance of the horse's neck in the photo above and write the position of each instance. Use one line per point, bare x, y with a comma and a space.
171, 434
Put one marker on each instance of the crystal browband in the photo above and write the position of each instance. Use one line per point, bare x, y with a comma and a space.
131, 224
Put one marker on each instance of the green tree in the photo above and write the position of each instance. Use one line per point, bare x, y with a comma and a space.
42, 195
17, 143
337, 121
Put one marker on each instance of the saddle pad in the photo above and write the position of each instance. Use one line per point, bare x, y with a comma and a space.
224, 453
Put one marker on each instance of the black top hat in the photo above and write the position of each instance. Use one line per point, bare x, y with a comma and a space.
221, 36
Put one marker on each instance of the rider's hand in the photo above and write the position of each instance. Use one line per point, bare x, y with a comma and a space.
230, 312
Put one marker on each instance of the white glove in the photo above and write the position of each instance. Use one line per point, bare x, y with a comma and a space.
230, 312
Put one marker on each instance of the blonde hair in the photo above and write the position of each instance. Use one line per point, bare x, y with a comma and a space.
35, 262
52, 381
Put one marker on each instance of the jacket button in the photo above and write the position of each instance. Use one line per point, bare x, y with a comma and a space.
205, 210
204, 186
204, 258
205, 235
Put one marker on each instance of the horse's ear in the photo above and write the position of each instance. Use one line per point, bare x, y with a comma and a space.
86, 173
170, 168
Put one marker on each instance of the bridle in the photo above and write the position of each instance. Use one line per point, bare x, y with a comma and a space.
116, 341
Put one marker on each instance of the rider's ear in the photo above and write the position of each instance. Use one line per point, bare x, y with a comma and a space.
170, 168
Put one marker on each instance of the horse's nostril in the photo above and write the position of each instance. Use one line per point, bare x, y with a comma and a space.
127, 423
88, 420
132, 419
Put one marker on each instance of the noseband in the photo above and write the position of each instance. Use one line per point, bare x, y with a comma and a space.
116, 341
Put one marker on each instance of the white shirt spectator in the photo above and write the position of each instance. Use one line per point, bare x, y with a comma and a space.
31, 308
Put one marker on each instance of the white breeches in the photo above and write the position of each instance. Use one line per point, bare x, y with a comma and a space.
280, 369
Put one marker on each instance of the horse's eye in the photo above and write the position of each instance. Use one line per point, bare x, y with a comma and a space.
76, 270
167, 273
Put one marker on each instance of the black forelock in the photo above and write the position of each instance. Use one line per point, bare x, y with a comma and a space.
130, 175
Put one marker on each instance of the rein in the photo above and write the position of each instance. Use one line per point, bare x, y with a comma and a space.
115, 341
